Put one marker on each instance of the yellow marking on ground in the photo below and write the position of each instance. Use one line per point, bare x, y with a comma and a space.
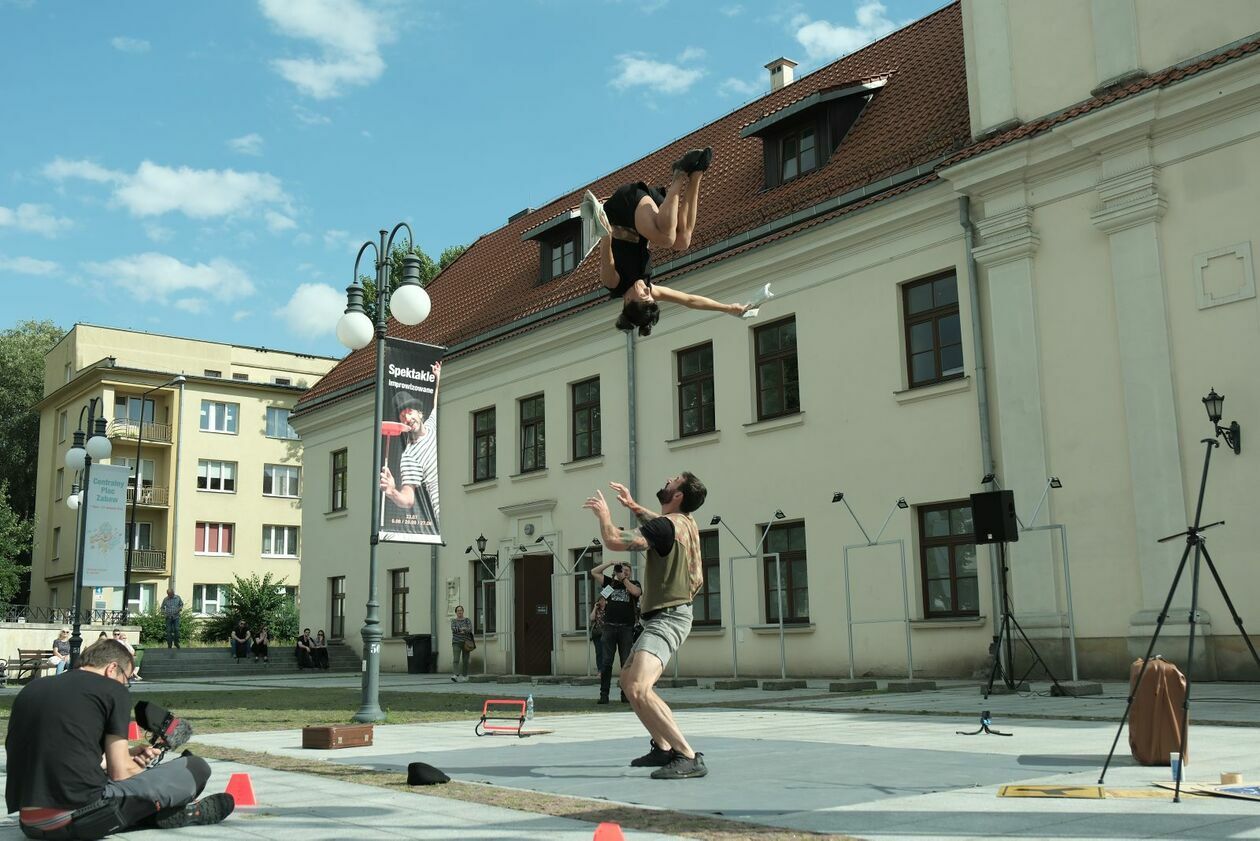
1079, 792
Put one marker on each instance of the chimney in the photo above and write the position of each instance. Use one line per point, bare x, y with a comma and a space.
780, 72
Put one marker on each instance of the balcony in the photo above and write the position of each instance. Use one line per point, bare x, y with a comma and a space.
154, 433
148, 560
150, 495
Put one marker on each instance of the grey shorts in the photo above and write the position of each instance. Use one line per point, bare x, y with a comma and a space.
664, 633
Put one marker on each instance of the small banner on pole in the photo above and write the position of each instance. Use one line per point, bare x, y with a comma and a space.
104, 533
410, 508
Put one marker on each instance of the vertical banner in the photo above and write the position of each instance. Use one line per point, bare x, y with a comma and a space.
105, 532
410, 510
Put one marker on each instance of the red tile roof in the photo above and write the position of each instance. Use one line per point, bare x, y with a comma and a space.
918, 116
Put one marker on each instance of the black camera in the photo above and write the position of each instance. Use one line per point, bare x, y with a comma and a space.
616, 569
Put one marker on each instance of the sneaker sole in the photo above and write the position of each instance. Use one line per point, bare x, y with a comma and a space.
206, 811
650, 763
689, 775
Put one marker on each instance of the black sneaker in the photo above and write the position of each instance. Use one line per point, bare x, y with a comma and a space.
682, 768
697, 160
603, 699
654, 758
207, 810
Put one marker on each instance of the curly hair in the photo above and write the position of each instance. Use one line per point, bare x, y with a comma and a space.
638, 314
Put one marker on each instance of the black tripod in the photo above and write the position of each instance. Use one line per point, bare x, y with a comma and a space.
1196, 542
1004, 637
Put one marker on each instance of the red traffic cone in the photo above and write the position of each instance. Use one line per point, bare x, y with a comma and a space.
133, 732
241, 789
608, 831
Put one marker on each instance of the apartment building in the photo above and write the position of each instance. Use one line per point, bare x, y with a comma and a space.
215, 463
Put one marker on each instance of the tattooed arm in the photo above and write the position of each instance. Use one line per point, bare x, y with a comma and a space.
614, 538
644, 515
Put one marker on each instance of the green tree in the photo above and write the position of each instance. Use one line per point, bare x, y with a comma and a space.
428, 271
22, 351
15, 545
260, 602
449, 255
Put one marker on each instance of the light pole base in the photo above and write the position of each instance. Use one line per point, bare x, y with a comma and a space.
370, 707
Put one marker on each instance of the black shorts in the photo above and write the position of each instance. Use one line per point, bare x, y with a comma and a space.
633, 261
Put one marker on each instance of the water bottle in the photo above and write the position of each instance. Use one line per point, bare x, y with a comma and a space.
529, 706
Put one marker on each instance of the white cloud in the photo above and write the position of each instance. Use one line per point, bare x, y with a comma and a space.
130, 45
826, 41
277, 222
348, 35
739, 87
249, 144
33, 218
196, 306
311, 118
732, 11
313, 310
691, 54
159, 277
636, 70
158, 233
27, 265
197, 193
241, 315
335, 238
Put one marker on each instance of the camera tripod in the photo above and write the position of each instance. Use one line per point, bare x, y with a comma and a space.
1194, 541
1004, 637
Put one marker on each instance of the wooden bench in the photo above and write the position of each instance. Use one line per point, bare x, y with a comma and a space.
31, 663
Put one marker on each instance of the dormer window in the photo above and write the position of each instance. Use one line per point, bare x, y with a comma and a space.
560, 245
797, 153
563, 255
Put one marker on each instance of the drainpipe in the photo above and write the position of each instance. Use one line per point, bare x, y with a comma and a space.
981, 375
433, 595
633, 446
179, 448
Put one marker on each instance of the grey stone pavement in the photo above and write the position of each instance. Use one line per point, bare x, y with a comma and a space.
884, 766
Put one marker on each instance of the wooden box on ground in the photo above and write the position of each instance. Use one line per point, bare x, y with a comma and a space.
334, 736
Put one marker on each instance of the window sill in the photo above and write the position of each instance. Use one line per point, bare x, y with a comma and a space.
481, 485
574, 635
701, 439
793, 628
219, 431
280, 557
926, 392
948, 623
582, 463
280, 496
757, 427
336, 515
214, 554
707, 631
213, 491
541, 473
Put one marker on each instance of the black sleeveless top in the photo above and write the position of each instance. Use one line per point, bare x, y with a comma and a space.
633, 261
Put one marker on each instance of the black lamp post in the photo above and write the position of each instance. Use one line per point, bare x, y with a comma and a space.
132, 537
1215, 404
79, 457
410, 305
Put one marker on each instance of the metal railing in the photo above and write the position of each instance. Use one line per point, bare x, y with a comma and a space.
159, 433
148, 560
149, 495
56, 615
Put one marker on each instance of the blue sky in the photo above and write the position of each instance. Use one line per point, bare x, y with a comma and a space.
210, 169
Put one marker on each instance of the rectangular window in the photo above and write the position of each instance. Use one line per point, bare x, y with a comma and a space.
210, 372
140, 598
290, 594
398, 591
778, 390
282, 381
788, 540
218, 417
533, 434
947, 557
141, 537
130, 409
586, 438
337, 608
69, 371
585, 590
210, 599
280, 541
799, 154
241, 377
281, 480
56, 543
340, 466
483, 445
560, 255
695, 391
484, 596
278, 424
213, 539
218, 476
61, 482
62, 426
708, 602
934, 350
147, 468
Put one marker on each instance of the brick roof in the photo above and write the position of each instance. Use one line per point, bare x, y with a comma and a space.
920, 115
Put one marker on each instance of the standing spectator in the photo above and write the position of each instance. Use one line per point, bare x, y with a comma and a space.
595, 622
622, 594
261, 640
240, 641
305, 650
462, 644
171, 606
61, 651
122, 638
321, 652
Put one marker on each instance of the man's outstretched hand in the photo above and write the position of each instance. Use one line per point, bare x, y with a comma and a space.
623, 495
597, 504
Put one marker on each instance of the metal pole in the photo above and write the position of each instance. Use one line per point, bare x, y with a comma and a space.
76, 637
179, 448
905, 603
1067, 582
856, 520
730, 588
848, 609
891, 511
133, 537
1040, 502
778, 574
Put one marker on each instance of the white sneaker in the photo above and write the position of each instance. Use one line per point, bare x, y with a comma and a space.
454, 678
594, 218
754, 306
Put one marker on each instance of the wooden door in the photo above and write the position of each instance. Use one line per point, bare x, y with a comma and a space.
533, 615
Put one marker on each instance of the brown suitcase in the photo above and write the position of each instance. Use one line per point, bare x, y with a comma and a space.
1155, 717
332, 737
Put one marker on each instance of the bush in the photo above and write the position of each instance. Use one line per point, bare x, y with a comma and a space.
153, 626
259, 601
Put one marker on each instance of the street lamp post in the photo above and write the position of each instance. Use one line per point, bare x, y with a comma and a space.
132, 537
79, 457
355, 330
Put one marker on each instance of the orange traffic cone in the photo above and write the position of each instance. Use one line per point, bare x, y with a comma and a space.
241, 789
608, 831
133, 732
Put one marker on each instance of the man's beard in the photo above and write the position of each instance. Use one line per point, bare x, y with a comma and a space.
664, 495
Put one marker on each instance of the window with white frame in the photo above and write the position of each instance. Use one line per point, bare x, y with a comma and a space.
280, 479
278, 424
147, 468
217, 416
280, 541
210, 599
56, 543
213, 539
61, 482
63, 424
140, 537
217, 476
140, 598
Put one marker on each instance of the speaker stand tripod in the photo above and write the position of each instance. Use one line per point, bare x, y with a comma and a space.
1195, 541
1004, 637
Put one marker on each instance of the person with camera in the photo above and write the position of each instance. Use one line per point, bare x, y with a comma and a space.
621, 596
56, 780
673, 572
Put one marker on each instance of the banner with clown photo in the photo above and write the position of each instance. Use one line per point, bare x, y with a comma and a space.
410, 504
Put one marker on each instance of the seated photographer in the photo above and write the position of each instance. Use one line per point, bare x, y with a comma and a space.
57, 732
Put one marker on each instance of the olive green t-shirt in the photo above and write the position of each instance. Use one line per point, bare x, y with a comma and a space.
673, 571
